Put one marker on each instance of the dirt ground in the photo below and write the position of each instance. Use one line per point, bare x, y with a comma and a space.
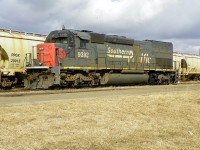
162, 120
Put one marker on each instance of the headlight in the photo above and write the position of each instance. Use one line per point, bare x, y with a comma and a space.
40, 63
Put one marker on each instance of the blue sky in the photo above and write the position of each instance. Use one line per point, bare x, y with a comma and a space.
175, 21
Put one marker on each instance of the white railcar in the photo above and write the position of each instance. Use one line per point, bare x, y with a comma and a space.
14, 46
188, 66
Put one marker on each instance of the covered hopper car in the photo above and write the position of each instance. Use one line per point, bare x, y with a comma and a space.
188, 66
15, 46
77, 58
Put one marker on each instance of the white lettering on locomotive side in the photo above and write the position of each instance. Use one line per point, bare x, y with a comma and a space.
145, 58
83, 54
120, 53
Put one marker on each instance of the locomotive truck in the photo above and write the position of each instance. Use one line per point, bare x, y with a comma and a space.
14, 46
72, 58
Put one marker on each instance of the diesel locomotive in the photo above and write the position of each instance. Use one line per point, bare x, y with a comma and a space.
71, 58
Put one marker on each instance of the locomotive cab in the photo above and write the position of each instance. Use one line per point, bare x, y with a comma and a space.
44, 71
58, 45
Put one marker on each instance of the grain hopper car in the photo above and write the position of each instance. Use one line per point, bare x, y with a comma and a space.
188, 66
15, 46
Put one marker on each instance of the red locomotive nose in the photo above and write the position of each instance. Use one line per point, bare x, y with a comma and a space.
47, 54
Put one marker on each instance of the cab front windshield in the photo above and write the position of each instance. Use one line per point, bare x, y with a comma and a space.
63, 40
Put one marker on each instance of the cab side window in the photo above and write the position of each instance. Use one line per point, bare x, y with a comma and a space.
83, 43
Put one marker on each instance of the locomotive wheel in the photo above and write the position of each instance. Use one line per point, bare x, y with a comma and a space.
94, 83
91, 83
71, 85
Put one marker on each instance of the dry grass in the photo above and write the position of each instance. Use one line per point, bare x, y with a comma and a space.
134, 122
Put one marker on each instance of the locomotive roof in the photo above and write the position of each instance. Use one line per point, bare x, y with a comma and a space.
154, 41
94, 37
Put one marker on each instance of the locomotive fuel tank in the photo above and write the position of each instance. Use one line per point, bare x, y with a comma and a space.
120, 79
15, 47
